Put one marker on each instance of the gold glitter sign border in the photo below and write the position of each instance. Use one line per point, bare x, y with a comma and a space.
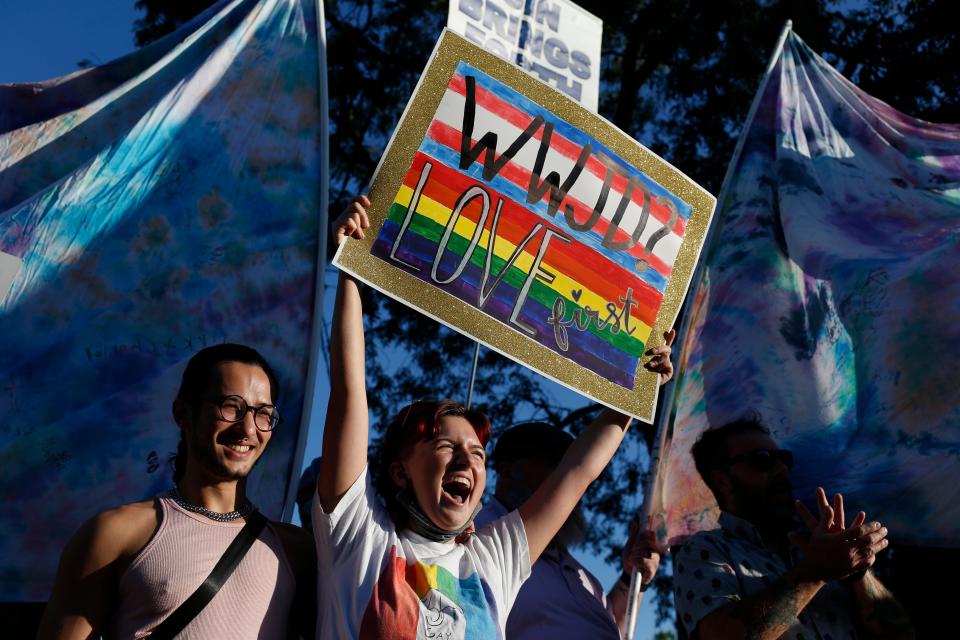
355, 257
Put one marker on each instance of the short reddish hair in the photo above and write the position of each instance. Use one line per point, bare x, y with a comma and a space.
416, 422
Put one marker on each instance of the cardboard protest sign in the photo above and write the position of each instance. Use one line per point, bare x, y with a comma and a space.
491, 24
562, 47
514, 215
555, 40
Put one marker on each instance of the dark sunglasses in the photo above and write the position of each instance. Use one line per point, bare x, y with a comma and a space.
764, 459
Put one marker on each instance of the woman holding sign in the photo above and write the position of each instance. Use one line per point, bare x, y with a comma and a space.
416, 569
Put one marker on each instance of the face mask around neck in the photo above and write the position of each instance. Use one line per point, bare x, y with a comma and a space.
421, 524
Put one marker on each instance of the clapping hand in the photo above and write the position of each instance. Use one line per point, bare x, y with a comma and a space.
833, 550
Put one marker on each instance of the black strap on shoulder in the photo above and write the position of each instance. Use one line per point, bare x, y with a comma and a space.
188, 610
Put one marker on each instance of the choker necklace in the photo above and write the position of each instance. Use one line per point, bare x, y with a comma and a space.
242, 512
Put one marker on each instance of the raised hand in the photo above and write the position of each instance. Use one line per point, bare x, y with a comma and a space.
834, 551
353, 220
660, 361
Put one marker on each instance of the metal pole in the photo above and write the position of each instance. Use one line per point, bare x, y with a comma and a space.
632, 607
316, 328
473, 374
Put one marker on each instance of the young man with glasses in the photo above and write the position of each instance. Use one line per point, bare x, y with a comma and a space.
756, 576
126, 570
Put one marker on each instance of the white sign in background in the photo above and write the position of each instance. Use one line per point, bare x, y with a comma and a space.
9, 267
493, 25
561, 41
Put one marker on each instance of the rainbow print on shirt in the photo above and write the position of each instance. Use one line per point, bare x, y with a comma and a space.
537, 224
420, 601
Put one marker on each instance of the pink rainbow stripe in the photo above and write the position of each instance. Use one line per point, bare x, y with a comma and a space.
446, 135
521, 119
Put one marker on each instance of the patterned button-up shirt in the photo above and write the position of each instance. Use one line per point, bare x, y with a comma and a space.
716, 568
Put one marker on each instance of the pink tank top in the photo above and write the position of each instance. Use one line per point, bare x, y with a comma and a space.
253, 603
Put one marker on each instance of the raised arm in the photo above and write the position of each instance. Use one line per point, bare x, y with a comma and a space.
345, 432
548, 508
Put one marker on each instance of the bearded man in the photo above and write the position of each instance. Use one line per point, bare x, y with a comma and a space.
757, 576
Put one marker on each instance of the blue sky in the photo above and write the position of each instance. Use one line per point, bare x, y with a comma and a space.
42, 39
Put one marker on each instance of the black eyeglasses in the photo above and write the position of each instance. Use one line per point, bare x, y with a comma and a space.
266, 417
764, 459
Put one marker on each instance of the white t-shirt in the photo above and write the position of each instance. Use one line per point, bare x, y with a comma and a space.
377, 583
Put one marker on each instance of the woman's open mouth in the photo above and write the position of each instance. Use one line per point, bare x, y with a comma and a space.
457, 489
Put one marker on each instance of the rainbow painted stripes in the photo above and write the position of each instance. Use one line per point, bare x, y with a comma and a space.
553, 235
407, 596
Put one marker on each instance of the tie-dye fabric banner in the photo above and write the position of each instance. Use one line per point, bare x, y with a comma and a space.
555, 237
158, 204
829, 305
